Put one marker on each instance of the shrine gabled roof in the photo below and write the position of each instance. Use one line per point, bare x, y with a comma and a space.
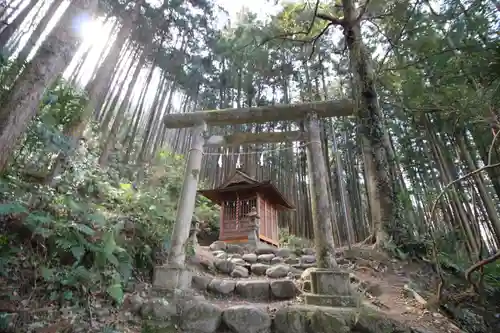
239, 177
241, 182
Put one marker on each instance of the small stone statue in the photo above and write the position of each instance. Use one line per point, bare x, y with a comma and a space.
195, 224
253, 212
253, 216
253, 236
193, 232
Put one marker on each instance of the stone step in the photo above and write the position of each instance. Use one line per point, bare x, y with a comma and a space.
252, 289
206, 317
241, 249
266, 258
238, 268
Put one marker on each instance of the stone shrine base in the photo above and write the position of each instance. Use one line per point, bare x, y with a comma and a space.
171, 276
330, 300
331, 288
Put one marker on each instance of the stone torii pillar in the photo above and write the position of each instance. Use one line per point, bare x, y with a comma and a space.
329, 285
320, 205
174, 274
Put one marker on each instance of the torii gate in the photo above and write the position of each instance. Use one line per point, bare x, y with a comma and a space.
174, 274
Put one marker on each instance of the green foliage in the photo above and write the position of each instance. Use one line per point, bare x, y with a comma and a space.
291, 241
62, 106
205, 212
492, 274
94, 230
9, 71
295, 20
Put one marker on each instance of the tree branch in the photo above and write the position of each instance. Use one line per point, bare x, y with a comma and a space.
470, 174
331, 19
479, 264
398, 37
420, 60
363, 11
490, 152
286, 36
434, 246
315, 40
315, 12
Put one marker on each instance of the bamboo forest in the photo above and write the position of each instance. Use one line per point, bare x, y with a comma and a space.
216, 166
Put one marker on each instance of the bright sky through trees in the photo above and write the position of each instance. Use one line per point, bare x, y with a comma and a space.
96, 35
261, 7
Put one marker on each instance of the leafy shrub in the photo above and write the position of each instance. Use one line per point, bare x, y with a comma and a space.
492, 274
292, 241
94, 230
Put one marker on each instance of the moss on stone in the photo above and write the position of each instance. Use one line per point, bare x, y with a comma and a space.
329, 320
293, 319
370, 320
320, 319
151, 326
317, 319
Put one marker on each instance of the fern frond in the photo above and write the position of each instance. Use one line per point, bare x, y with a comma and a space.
84, 229
12, 208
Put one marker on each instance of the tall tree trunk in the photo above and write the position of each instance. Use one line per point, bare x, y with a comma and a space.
95, 87
105, 72
479, 180
146, 141
21, 103
106, 113
109, 140
40, 28
156, 128
370, 126
9, 31
140, 107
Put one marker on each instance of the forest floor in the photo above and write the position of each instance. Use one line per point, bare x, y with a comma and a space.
387, 282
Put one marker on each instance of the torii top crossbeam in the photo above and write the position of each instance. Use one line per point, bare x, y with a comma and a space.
261, 114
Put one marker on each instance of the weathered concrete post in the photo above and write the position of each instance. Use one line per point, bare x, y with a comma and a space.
174, 274
330, 286
320, 205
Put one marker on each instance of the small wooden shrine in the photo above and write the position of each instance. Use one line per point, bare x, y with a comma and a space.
236, 198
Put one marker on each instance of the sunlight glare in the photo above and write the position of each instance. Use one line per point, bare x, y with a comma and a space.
92, 31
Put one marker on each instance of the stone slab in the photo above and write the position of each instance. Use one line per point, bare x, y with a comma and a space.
170, 277
330, 300
330, 282
253, 289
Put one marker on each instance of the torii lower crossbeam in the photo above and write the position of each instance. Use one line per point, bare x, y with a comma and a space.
246, 138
